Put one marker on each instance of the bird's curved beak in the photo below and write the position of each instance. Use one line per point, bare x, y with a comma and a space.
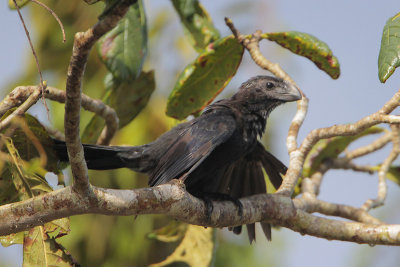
289, 92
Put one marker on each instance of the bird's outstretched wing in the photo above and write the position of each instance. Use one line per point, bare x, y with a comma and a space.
193, 146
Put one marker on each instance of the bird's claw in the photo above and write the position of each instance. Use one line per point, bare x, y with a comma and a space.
209, 197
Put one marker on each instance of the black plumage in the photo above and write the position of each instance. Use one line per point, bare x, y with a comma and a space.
217, 153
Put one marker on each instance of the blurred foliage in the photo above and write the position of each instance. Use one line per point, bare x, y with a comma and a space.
197, 23
23, 178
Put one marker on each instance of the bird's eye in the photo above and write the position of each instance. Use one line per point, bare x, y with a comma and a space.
270, 85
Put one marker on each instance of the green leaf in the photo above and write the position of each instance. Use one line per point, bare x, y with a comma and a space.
124, 48
389, 55
128, 98
331, 148
197, 23
172, 232
20, 3
308, 46
202, 80
41, 250
196, 248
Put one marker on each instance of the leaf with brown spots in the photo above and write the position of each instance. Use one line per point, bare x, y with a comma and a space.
202, 80
310, 47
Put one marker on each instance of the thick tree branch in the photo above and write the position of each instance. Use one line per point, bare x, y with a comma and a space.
83, 43
172, 199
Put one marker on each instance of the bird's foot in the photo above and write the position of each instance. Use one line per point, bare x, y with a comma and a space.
209, 197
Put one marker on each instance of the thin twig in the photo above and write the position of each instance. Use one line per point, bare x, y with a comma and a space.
374, 146
20, 93
310, 204
54, 15
312, 185
382, 186
345, 163
32, 99
55, 133
30, 42
43, 84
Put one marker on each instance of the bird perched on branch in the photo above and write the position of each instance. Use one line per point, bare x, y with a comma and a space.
217, 155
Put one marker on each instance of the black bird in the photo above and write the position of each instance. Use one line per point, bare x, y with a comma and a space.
216, 154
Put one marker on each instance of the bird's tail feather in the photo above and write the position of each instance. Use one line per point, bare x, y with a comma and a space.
245, 177
100, 157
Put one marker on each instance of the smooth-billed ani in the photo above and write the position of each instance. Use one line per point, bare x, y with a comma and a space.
216, 154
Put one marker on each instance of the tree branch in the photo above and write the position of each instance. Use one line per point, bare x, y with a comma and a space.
173, 200
314, 136
382, 186
27, 103
22, 93
82, 45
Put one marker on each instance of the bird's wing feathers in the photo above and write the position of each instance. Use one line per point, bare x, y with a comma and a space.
193, 146
245, 177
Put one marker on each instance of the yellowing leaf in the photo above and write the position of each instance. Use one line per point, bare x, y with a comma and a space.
41, 250
12, 239
196, 248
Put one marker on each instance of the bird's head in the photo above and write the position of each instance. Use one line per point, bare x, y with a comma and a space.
261, 89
